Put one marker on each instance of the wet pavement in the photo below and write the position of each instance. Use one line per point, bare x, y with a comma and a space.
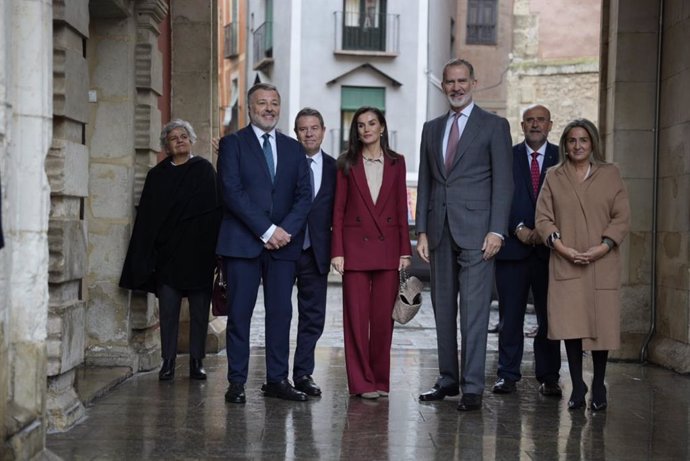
648, 415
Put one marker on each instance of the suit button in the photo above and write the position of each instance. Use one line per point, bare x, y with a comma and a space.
381, 237
357, 219
366, 239
389, 219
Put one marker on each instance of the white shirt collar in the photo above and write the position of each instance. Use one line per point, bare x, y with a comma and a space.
259, 133
466, 111
317, 157
541, 150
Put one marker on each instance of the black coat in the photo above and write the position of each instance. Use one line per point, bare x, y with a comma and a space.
175, 231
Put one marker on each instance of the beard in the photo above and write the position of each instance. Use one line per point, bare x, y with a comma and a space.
459, 101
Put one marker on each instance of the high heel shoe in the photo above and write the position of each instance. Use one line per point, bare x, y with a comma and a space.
577, 402
598, 400
167, 372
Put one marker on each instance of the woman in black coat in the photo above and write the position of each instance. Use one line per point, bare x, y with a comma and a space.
172, 249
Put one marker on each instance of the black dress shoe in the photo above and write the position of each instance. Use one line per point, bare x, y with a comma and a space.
235, 393
438, 393
504, 386
307, 385
493, 329
196, 369
167, 372
550, 389
470, 402
284, 390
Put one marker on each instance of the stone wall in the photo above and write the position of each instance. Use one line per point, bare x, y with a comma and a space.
569, 89
26, 108
671, 346
627, 127
67, 168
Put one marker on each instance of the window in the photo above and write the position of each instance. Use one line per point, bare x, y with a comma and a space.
364, 24
481, 22
351, 99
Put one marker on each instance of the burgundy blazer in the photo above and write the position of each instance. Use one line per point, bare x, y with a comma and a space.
368, 236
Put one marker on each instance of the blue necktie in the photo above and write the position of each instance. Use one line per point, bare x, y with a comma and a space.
307, 239
268, 154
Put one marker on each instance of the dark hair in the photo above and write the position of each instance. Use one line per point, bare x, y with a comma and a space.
261, 86
597, 155
355, 145
309, 112
458, 62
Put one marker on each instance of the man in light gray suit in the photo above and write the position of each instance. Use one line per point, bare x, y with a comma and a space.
464, 195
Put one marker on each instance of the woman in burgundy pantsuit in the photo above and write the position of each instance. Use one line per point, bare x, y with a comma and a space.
370, 245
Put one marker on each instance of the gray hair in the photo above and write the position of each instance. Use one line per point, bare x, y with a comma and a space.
177, 123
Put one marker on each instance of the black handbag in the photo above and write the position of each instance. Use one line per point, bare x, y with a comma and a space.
219, 298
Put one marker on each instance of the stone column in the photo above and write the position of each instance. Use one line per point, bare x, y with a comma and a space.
195, 99
147, 127
68, 172
26, 109
627, 121
109, 208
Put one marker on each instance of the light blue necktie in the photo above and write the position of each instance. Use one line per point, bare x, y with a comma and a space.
307, 239
268, 154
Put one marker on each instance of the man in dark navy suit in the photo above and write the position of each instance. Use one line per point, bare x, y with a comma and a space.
264, 183
523, 263
314, 262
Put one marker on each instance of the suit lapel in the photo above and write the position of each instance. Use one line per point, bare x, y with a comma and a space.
472, 128
438, 130
256, 150
386, 183
524, 170
360, 180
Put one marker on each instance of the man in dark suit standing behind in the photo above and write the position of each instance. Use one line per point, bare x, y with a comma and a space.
264, 183
463, 201
315, 261
523, 262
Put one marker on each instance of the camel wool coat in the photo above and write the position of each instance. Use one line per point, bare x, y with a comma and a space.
584, 300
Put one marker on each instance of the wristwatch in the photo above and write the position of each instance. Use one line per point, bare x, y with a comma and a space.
608, 242
552, 238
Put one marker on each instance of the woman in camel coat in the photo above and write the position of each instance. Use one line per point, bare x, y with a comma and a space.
583, 214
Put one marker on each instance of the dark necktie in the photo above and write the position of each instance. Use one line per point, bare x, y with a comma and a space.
535, 173
453, 139
307, 238
268, 154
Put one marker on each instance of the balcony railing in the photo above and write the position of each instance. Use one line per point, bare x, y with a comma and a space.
263, 45
368, 33
231, 40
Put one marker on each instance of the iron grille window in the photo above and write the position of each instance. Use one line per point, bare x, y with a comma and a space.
481, 22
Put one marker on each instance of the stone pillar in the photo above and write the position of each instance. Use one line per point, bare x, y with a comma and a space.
195, 99
627, 121
68, 172
122, 135
25, 134
194, 67
109, 208
147, 126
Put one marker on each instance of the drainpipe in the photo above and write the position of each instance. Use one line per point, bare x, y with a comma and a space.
644, 352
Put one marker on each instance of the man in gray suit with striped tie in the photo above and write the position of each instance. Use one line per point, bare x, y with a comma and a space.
464, 194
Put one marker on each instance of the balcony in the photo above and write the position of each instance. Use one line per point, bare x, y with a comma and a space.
231, 43
263, 45
367, 34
